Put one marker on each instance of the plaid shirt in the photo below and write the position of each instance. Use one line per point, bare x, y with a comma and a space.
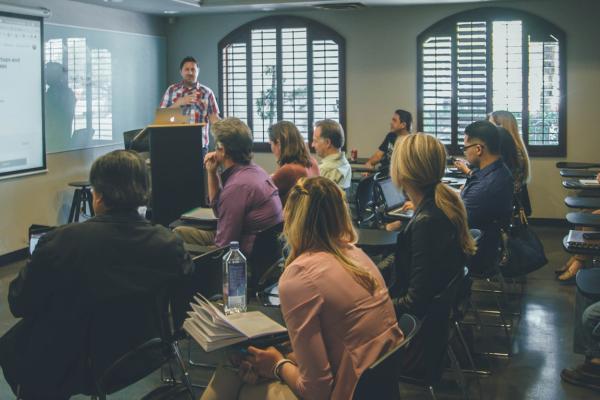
205, 106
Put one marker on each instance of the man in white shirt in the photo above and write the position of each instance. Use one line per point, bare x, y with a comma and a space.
328, 139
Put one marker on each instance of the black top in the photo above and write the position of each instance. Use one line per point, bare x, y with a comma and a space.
387, 146
74, 271
428, 256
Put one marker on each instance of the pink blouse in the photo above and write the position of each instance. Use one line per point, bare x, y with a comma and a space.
336, 327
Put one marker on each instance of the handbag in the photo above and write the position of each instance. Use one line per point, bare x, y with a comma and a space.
522, 251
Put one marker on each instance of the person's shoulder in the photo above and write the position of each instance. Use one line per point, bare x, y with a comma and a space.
205, 88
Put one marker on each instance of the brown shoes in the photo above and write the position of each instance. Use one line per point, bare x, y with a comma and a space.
585, 375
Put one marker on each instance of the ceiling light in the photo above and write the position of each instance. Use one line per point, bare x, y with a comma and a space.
170, 12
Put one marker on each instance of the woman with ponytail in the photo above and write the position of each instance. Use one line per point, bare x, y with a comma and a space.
334, 301
434, 245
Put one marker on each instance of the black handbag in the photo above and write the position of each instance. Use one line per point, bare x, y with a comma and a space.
522, 250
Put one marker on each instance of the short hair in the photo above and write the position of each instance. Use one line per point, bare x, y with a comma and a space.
236, 138
405, 117
291, 142
487, 133
121, 178
186, 60
331, 130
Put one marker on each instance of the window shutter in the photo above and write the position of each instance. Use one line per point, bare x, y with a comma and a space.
437, 87
234, 81
326, 80
294, 82
507, 56
101, 64
264, 82
471, 48
544, 91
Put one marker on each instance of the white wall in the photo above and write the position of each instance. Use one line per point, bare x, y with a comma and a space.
382, 69
46, 198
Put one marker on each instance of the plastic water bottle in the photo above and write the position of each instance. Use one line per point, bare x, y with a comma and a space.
234, 280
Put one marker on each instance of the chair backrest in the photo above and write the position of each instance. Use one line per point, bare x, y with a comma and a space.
435, 329
129, 338
380, 380
208, 274
364, 199
266, 251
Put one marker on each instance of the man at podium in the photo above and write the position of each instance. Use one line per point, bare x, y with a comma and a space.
192, 97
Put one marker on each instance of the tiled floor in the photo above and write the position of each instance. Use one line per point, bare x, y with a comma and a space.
542, 345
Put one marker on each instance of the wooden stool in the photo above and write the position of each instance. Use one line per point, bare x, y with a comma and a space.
81, 198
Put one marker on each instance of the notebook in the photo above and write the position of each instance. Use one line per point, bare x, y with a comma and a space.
170, 116
589, 182
584, 240
200, 214
394, 199
212, 329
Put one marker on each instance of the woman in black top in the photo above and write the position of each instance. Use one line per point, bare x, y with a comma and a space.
433, 246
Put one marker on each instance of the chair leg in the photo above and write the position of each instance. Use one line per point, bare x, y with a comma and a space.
465, 346
432, 393
460, 378
74, 205
184, 373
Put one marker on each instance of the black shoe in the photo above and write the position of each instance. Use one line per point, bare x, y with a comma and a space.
582, 376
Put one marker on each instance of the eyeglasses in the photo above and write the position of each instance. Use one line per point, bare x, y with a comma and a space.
464, 148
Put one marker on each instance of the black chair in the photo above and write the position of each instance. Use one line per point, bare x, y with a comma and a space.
379, 381
129, 338
435, 336
141, 144
588, 283
365, 210
266, 256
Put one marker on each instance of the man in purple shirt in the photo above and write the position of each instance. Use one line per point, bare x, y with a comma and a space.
244, 198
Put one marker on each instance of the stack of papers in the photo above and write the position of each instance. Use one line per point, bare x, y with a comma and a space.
589, 182
584, 240
212, 329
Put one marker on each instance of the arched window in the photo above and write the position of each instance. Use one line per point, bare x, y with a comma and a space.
282, 68
487, 59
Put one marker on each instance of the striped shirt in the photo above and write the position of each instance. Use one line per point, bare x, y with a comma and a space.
206, 103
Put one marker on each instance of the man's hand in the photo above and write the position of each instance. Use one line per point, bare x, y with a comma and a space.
214, 117
210, 162
186, 100
461, 165
408, 205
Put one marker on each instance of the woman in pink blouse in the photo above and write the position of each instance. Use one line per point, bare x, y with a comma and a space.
334, 301
293, 159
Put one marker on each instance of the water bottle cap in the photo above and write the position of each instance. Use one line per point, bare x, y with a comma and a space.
234, 245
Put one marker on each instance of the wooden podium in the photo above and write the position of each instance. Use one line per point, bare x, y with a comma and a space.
177, 170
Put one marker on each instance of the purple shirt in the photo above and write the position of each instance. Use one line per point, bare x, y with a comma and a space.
248, 202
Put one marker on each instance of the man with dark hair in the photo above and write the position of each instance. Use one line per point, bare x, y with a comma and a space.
78, 269
488, 192
399, 127
244, 198
192, 97
328, 139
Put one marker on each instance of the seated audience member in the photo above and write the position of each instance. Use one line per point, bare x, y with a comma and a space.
292, 156
567, 273
399, 127
587, 342
77, 269
521, 172
244, 198
335, 305
433, 246
328, 139
488, 192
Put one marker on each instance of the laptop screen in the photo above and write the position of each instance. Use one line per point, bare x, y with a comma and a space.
392, 196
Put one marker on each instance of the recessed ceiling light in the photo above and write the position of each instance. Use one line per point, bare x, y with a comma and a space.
113, 1
170, 12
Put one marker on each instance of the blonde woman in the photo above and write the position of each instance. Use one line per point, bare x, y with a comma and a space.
433, 246
522, 171
334, 302
293, 159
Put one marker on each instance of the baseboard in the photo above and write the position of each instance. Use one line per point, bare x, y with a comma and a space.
14, 256
553, 222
